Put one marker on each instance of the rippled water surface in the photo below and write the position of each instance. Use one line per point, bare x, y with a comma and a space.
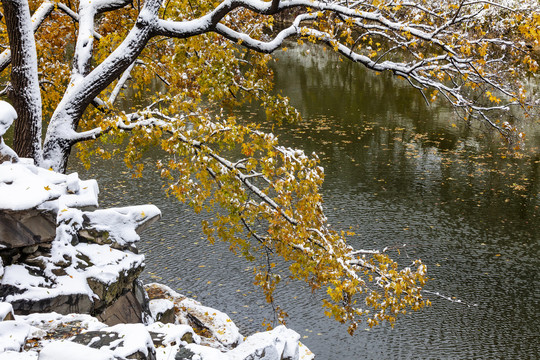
397, 172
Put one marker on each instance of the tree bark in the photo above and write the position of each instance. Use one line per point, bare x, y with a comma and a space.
25, 94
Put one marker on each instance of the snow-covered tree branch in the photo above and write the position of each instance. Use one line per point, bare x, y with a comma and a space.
66, 56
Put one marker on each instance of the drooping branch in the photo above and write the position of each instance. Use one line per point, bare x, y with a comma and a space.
261, 46
295, 229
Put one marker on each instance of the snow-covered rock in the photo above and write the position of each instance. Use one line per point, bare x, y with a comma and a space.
219, 330
78, 336
162, 310
68, 350
24, 186
7, 116
173, 334
54, 256
122, 341
280, 343
13, 335
6, 311
102, 225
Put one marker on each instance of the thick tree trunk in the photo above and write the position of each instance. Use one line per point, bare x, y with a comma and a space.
25, 94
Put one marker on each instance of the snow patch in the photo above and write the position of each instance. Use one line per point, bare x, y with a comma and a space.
25, 186
7, 116
13, 335
173, 332
67, 350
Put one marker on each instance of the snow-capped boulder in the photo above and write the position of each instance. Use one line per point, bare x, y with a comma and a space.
13, 335
6, 311
7, 116
162, 310
123, 341
215, 327
54, 256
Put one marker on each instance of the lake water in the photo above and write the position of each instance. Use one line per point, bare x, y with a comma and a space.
397, 172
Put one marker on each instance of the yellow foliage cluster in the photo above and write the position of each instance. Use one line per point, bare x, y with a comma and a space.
265, 198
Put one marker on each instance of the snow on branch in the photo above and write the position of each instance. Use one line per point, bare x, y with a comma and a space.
37, 19
258, 45
273, 193
423, 37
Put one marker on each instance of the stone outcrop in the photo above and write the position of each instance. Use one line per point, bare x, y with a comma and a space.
26, 229
58, 255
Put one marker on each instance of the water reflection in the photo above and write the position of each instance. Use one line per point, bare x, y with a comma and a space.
397, 172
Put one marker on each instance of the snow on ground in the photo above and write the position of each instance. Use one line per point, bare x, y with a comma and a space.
67, 350
13, 335
25, 186
35, 334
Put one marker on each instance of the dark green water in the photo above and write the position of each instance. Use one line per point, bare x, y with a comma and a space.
397, 172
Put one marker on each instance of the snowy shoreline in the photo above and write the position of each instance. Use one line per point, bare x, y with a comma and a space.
69, 283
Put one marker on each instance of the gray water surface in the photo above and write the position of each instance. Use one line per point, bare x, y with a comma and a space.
397, 172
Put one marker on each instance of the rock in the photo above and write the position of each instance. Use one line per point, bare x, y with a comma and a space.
73, 185
161, 339
143, 299
6, 311
126, 309
162, 310
62, 304
172, 334
91, 339
107, 293
13, 335
278, 344
184, 354
96, 339
26, 228
215, 327
212, 322
94, 236
116, 342
101, 226
123, 341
